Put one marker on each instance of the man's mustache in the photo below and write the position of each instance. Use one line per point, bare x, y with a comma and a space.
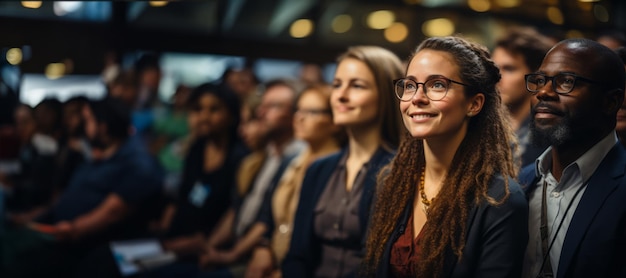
543, 107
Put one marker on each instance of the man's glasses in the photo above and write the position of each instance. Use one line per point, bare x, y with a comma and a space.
562, 83
435, 88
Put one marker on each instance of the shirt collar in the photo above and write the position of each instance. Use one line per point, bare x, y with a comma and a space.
292, 148
586, 163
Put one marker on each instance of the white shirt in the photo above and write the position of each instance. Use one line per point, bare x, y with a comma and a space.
253, 200
559, 195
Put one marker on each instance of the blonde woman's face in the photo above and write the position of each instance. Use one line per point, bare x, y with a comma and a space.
355, 97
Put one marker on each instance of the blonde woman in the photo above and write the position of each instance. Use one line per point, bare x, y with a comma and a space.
334, 205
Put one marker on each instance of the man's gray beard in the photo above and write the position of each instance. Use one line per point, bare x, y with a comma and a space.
552, 136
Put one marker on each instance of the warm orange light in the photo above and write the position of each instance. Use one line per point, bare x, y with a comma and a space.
158, 3
55, 70
14, 56
554, 15
301, 28
397, 32
31, 4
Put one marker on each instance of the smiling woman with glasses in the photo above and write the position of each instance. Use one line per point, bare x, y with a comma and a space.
447, 205
562, 83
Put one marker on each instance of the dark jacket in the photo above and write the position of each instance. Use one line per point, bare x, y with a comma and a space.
595, 243
495, 241
304, 254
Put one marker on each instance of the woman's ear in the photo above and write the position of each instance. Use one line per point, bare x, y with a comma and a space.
475, 104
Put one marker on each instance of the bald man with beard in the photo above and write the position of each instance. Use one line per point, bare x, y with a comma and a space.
577, 187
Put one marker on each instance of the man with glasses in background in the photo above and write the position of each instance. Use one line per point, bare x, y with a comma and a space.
577, 187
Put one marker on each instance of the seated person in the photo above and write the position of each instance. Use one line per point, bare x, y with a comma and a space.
209, 172
110, 197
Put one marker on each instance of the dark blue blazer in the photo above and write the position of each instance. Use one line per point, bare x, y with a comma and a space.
495, 240
304, 254
595, 243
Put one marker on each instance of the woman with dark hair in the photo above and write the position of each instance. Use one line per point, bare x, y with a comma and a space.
447, 205
333, 210
209, 169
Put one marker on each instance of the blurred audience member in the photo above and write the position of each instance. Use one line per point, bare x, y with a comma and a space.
313, 123
73, 147
111, 66
275, 112
250, 128
242, 81
111, 197
230, 244
49, 119
171, 130
125, 86
612, 39
32, 186
311, 74
149, 74
518, 53
209, 174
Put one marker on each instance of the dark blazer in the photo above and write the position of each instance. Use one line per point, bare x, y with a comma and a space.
303, 256
595, 243
495, 241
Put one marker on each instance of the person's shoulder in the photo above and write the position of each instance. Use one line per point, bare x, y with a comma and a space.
498, 188
325, 160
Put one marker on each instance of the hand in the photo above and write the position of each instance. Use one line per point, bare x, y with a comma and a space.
64, 231
262, 263
213, 257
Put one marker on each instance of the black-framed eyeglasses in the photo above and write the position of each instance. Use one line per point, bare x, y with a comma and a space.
434, 88
562, 83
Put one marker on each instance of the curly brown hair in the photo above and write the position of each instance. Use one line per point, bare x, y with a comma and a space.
485, 151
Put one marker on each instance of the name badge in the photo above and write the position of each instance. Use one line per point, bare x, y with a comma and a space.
199, 193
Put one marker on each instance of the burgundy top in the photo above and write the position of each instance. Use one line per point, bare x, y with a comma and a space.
405, 252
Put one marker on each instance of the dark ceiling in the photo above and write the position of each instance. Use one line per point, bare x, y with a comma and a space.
261, 28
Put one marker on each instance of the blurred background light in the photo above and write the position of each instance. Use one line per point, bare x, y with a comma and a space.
14, 56
438, 27
601, 13
301, 28
31, 4
158, 3
479, 5
55, 70
341, 23
397, 32
508, 3
574, 34
62, 8
380, 19
554, 15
